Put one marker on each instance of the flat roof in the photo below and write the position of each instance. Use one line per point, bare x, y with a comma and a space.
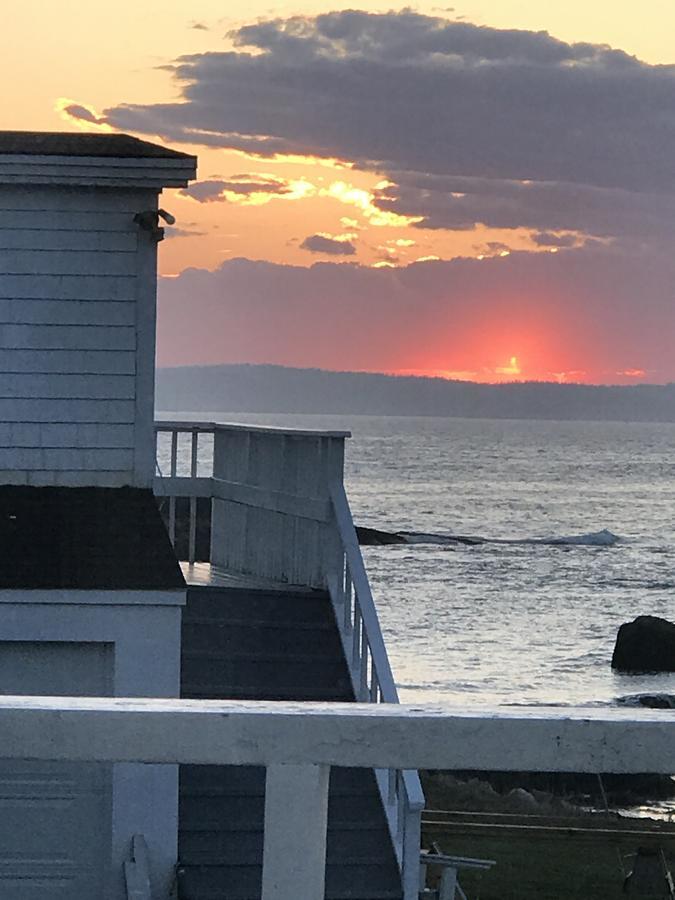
84, 538
63, 143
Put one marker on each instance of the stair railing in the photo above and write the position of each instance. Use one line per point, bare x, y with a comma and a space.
373, 682
309, 538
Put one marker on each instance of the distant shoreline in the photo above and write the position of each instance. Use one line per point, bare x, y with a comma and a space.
280, 390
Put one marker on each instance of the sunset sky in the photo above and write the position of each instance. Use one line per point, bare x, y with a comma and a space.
483, 192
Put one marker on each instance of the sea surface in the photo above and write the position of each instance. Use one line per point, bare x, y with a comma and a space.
578, 522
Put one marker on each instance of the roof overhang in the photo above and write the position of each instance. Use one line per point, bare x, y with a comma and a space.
97, 171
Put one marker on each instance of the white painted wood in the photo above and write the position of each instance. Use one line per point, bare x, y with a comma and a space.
537, 739
137, 870
271, 500
308, 735
151, 163
66, 312
117, 412
60, 171
64, 478
83, 598
270, 511
165, 486
54, 435
248, 537
146, 327
56, 829
271, 430
66, 337
71, 262
31, 386
68, 287
296, 815
84, 221
55, 241
86, 362
141, 632
69, 199
66, 459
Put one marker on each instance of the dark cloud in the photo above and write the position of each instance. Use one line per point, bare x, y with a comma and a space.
550, 239
199, 26
172, 231
461, 203
321, 243
214, 190
594, 309
84, 114
403, 91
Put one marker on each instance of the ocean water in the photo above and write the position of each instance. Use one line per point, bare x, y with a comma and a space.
512, 620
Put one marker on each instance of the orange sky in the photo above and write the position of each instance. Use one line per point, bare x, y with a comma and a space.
98, 56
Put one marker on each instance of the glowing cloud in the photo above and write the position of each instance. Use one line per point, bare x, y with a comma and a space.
364, 201
249, 190
633, 373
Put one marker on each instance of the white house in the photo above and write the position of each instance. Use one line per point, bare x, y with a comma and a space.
90, 590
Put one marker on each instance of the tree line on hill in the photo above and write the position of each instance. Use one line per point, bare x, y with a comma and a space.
280, 389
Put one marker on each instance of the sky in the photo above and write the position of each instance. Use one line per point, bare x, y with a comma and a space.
484, 191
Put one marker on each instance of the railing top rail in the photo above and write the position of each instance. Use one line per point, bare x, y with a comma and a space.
359, 578
174, 425
170, 425
342, 734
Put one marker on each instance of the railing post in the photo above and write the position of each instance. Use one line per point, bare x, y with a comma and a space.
412, 841
296, 816
192, 533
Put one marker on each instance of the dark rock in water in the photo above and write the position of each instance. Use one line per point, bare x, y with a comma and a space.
373, 537
645, 645
651, 701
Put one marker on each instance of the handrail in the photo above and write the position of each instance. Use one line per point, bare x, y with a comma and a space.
373, 682
361, 585
341, 567
187, 425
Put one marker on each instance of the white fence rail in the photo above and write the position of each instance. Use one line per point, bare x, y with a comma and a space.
279, 510
298, 743
373, 682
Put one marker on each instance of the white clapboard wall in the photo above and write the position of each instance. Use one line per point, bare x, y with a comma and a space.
77, 334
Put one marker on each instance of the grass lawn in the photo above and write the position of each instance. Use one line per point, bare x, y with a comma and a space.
548, 858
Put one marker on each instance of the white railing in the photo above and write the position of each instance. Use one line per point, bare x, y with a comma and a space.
179, 475
280, 510
373, 682
299, 742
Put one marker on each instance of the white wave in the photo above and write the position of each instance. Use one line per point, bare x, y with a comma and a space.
604, 538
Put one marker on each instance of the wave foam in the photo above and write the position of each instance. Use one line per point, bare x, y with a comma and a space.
603, 538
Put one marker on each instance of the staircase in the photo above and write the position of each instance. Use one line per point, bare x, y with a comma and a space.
248, 644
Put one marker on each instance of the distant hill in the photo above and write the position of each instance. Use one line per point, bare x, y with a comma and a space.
277, 389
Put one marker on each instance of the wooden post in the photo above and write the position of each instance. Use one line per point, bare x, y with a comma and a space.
296, 814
